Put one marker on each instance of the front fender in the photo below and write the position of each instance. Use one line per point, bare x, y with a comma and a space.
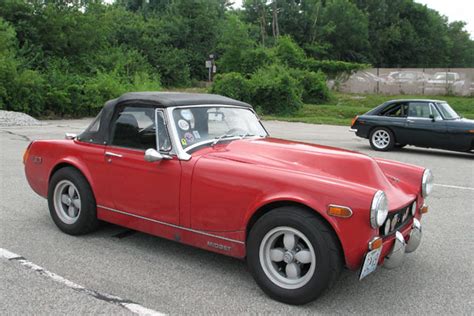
317, 194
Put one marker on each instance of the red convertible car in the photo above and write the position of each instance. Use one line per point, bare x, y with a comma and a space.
201, 169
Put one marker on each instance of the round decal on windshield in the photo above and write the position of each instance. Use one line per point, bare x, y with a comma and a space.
183, 125
189, 137
187, 114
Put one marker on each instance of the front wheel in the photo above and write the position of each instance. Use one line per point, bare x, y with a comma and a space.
292, 255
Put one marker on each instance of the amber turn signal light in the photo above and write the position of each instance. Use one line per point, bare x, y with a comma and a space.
339, 211
424, 209
354, 120
375, 243
26, 153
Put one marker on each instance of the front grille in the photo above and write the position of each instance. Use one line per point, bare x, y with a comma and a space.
396, 220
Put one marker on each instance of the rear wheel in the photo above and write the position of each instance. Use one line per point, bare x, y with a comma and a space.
292, 255
71, 202
382, 139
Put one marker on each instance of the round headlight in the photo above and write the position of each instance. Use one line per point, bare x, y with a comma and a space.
427, 183
413, 208
378, 209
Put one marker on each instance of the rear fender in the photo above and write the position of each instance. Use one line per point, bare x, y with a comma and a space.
72, 162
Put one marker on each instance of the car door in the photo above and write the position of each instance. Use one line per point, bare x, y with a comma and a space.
139, 187
425, 126
393, 116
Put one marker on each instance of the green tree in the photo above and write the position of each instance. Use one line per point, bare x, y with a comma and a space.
347, 30
460, 47
233, 42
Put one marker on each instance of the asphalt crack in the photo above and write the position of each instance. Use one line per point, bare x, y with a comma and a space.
23, 137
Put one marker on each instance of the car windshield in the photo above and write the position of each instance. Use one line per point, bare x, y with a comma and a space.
209, 124
447, 111
445, 76
407, 75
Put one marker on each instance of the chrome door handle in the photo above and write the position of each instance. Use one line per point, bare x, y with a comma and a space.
410, 121
111, 154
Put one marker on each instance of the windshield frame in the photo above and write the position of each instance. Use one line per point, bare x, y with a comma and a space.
438, 107
182, 153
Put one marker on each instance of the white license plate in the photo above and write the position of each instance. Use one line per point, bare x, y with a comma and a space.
370, 262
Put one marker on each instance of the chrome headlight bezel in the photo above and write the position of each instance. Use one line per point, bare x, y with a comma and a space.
427, 183
413, 208
378, 209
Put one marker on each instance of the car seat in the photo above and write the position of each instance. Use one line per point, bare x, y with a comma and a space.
126, 131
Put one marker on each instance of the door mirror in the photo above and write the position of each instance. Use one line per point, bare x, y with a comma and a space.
152, 155
432, 117
70, 136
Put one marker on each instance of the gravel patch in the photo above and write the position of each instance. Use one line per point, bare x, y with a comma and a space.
11, 118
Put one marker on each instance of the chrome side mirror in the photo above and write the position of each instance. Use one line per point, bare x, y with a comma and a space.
70, 136
152, 155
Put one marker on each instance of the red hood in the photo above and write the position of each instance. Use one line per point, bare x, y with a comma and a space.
317, 160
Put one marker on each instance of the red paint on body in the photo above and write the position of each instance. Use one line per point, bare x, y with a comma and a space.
209, 200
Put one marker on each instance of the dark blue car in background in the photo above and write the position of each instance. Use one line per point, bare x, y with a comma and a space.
422, 123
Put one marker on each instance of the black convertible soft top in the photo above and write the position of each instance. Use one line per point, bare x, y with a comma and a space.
168, 99
98, 131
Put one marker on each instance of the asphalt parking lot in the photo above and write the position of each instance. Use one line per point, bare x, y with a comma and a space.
171, 278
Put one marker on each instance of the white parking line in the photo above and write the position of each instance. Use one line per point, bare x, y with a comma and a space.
454, 187
127, 304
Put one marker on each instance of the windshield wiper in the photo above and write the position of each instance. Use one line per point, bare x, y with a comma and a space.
242, 136
218, 139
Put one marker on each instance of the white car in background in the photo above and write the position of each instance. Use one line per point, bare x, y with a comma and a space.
446, 82
401, 77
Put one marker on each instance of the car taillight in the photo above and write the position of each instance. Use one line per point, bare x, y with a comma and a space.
354, 120
27, 152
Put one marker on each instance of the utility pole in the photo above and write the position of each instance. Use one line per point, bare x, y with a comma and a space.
211, 66
275, 26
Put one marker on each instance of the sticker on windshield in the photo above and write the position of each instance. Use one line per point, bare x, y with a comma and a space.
183, 141
187, 114
189, 137
183, 125
196, 134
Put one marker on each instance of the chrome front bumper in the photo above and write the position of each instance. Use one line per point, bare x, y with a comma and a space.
400, 246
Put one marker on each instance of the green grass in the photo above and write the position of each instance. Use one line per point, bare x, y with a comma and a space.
343, 107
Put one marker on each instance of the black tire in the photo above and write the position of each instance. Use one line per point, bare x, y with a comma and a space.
327, 251
86, 220
388, 145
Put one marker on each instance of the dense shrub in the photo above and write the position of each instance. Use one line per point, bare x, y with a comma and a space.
314, 85
289, 53
27, 91
172, 65
20, 89
234, 41
254, 59
232, 85
334, 68
275, 91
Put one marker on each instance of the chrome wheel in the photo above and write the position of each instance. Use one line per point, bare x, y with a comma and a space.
67, 202
381, 139
287, 257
